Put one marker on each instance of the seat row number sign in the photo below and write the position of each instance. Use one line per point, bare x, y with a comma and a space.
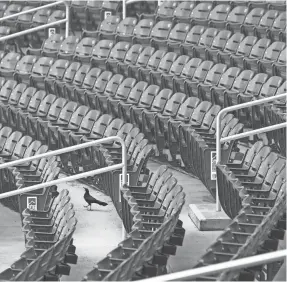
52, 31
108, 14
32, 203
213, 165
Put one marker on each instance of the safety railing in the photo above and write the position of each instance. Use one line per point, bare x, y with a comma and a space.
188, 275
219, 140
122, 165
34, 29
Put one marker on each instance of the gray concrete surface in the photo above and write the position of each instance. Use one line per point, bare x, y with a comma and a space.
12, 242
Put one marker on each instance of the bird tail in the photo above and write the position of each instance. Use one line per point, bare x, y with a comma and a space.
101, 203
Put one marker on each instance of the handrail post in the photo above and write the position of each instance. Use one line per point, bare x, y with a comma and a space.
124, 9
219, 140
68, 19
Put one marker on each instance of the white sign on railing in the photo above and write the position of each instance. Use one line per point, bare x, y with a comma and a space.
121, 179
108, 14
32, 203
213, 165
52, 31
159, 2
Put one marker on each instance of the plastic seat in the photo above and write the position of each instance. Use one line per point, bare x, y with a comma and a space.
183, 11
226, 81
239, 86
243, 51
230, 48
192, 39
39, 18
252, 90
122, 94
256, 53
130, 59
165, 11
78, 13
88, 84
236, 18
99, 88
72, 126
270, 56
101, 52
56, 72
117, 55
212, 78
217, 44
142, 60
187, 73
50, 126
84, 49
218, 16
133, 99
125, 29
19, 103
107, 28
67, 78
175, 70
30, 110
8, 64
265, 23
183, 115
200, 14
176, 37
114, 7
252, 19
190, 85
279, 67
24, 67
143, 114
39, 72
159, 34
152, 64
93, 14
163, 67
160, 122
110, 91
142, 32
68, 47
11, 10
279, 25
144, 102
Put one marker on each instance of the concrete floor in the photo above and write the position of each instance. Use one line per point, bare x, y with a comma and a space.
100, 230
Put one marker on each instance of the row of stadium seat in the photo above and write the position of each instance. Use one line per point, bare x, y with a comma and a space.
252, 191
129, 28
260, 57
234, 11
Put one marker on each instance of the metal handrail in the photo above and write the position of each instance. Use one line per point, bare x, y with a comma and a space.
23, 32
220, 140
214, 268
122, 165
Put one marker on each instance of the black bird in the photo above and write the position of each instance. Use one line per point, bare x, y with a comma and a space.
91, 200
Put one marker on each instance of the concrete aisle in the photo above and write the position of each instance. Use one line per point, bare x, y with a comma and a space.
12, 243
98, 231
195, 242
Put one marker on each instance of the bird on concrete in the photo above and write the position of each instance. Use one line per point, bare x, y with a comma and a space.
91, 200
